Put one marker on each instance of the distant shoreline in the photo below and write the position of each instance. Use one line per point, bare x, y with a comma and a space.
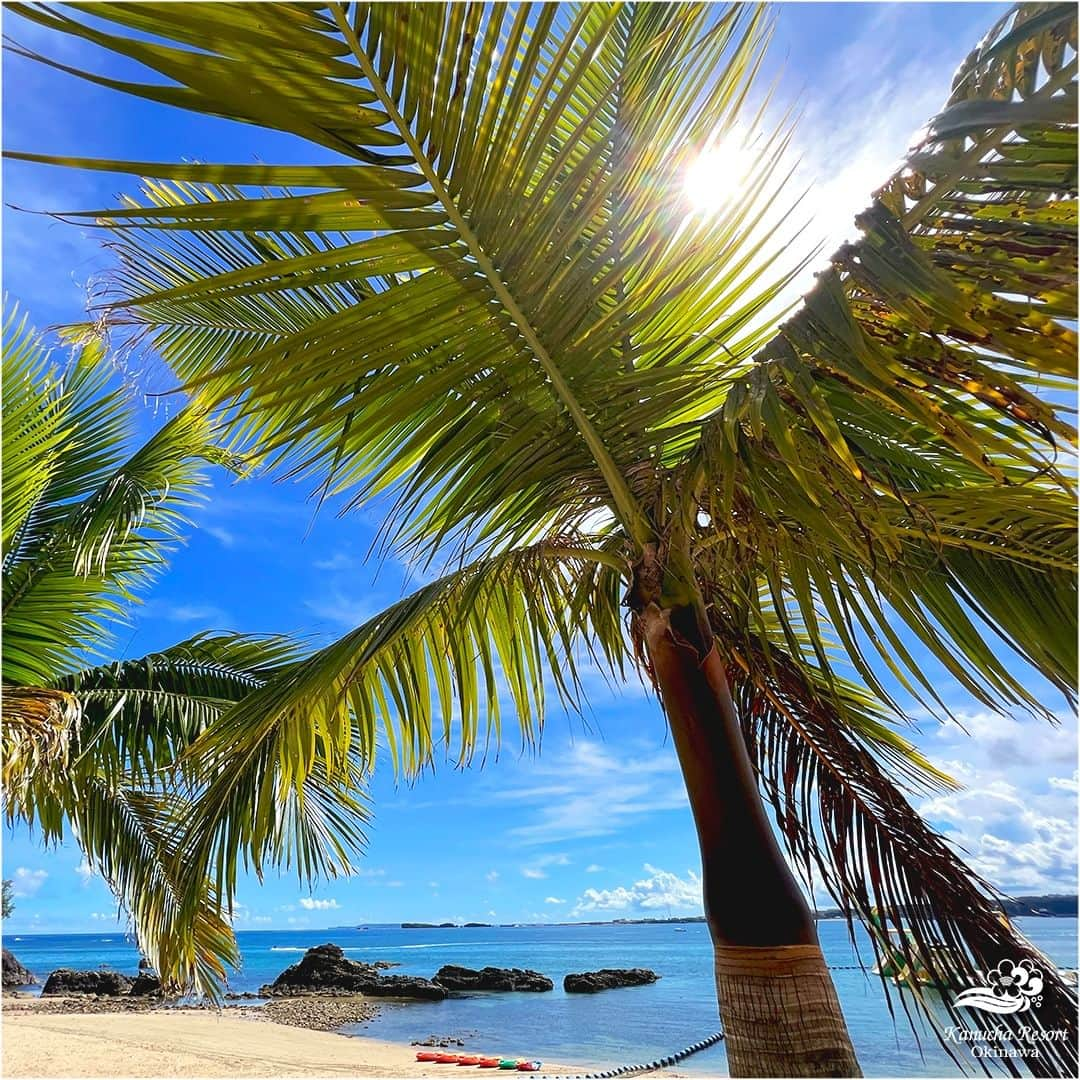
1050, 906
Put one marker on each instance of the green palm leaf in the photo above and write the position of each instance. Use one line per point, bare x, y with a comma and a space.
105, 754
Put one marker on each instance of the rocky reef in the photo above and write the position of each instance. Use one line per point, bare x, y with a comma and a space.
325, 969
454, 977
65, 982
15, 974
591, 982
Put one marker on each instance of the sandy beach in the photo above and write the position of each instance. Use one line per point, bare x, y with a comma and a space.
185, 1043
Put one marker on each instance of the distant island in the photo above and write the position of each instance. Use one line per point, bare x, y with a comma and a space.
440, 926
1052, 905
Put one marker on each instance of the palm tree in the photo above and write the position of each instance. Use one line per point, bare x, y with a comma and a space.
487, 296
103, 751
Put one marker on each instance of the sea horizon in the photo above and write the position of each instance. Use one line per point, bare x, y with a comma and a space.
607, 1029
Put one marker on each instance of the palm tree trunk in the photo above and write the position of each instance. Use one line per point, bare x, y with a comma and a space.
777, 1002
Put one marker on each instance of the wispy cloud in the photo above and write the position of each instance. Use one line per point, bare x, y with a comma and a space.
342, 610
591, 790
339, 560
209, 615
221, 535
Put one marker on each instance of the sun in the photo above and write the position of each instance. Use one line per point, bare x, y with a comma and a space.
717, 176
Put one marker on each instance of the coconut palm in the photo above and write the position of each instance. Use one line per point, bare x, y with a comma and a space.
486, 298
102, 751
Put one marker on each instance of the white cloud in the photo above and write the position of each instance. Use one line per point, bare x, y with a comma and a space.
661, 890
27, 882
102, 916
1014, 822
492, 875
533, 872
593, 868
553, 900
85, 872
1017, 841
309, 903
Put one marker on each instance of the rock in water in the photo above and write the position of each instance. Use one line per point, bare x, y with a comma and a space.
325, 969
406, 986
15, 974
492, 978
64, 981
590, 982
147, 984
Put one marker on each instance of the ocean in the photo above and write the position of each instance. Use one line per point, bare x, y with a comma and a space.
603, 1030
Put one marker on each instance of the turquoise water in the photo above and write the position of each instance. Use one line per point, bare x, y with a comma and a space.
612, 1028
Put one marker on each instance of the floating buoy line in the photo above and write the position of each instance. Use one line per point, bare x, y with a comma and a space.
537, 1066
644, 1067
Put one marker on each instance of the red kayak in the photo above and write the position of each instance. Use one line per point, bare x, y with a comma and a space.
427, 1055
488, 1063
529, 1066
447, 1059
468, 1060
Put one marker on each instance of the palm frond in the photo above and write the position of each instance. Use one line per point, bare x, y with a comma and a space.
850, 827
137, 717
892, 456
432, 671
132, 838
91, 521
511, 231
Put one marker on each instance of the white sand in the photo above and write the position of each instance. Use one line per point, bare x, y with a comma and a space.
185, 1043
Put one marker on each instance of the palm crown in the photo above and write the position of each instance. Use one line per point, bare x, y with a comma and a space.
105, 751
487, 297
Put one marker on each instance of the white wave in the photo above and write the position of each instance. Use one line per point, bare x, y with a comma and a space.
445, 945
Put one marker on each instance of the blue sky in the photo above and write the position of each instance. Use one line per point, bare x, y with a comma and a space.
597, 825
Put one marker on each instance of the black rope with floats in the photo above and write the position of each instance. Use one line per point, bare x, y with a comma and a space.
644, 1067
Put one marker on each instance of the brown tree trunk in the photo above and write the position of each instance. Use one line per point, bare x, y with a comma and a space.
777, 1002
